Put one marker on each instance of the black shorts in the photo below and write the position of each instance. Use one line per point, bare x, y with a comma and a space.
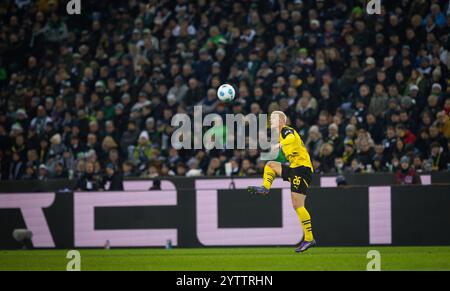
300, 178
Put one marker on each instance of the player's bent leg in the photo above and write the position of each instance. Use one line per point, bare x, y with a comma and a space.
275, 166
271, 170
298, 202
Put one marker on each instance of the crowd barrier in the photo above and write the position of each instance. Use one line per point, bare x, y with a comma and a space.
318, 180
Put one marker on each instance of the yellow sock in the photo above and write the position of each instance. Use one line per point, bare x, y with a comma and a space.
269, 176
305, 221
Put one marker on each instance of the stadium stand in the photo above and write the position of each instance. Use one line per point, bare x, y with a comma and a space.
81, 94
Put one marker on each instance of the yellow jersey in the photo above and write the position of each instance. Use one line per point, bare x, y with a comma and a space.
294, 149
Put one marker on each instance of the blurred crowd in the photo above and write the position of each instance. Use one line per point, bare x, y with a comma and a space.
92, 96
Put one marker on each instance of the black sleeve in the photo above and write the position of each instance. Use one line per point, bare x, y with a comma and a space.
286, 131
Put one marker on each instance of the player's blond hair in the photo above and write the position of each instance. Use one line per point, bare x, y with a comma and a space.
280, 114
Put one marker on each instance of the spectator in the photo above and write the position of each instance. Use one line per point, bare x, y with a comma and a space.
112, 181
55, 30
406, 175
378, 165
365, 154
437, 158
418, 164
435, 135
19, 147
234, 167
374, 128
30, 173
246, 169
390, 141
350, 133
400, 149
326, 157
214, 168
335, 139
181, 169
443, 123
355, 167
194, 170
423, 141
17, 167
435, 16
338, 165
314, 141
40, 121
142, 153
56, 147
178, 91
406, 135
349, 153
43, 173
129, 137
209, 102
127, 169
60, 172
203, 160
89, 181
151, 172
378, 101
108, 145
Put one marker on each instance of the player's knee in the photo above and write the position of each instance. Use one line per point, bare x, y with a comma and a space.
298, 203
271, 164
297, 206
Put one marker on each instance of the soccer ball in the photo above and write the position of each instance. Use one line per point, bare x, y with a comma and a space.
226, 93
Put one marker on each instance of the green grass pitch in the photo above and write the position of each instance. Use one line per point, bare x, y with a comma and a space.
239, 259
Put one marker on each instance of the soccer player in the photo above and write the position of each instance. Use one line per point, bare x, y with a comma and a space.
298, 173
